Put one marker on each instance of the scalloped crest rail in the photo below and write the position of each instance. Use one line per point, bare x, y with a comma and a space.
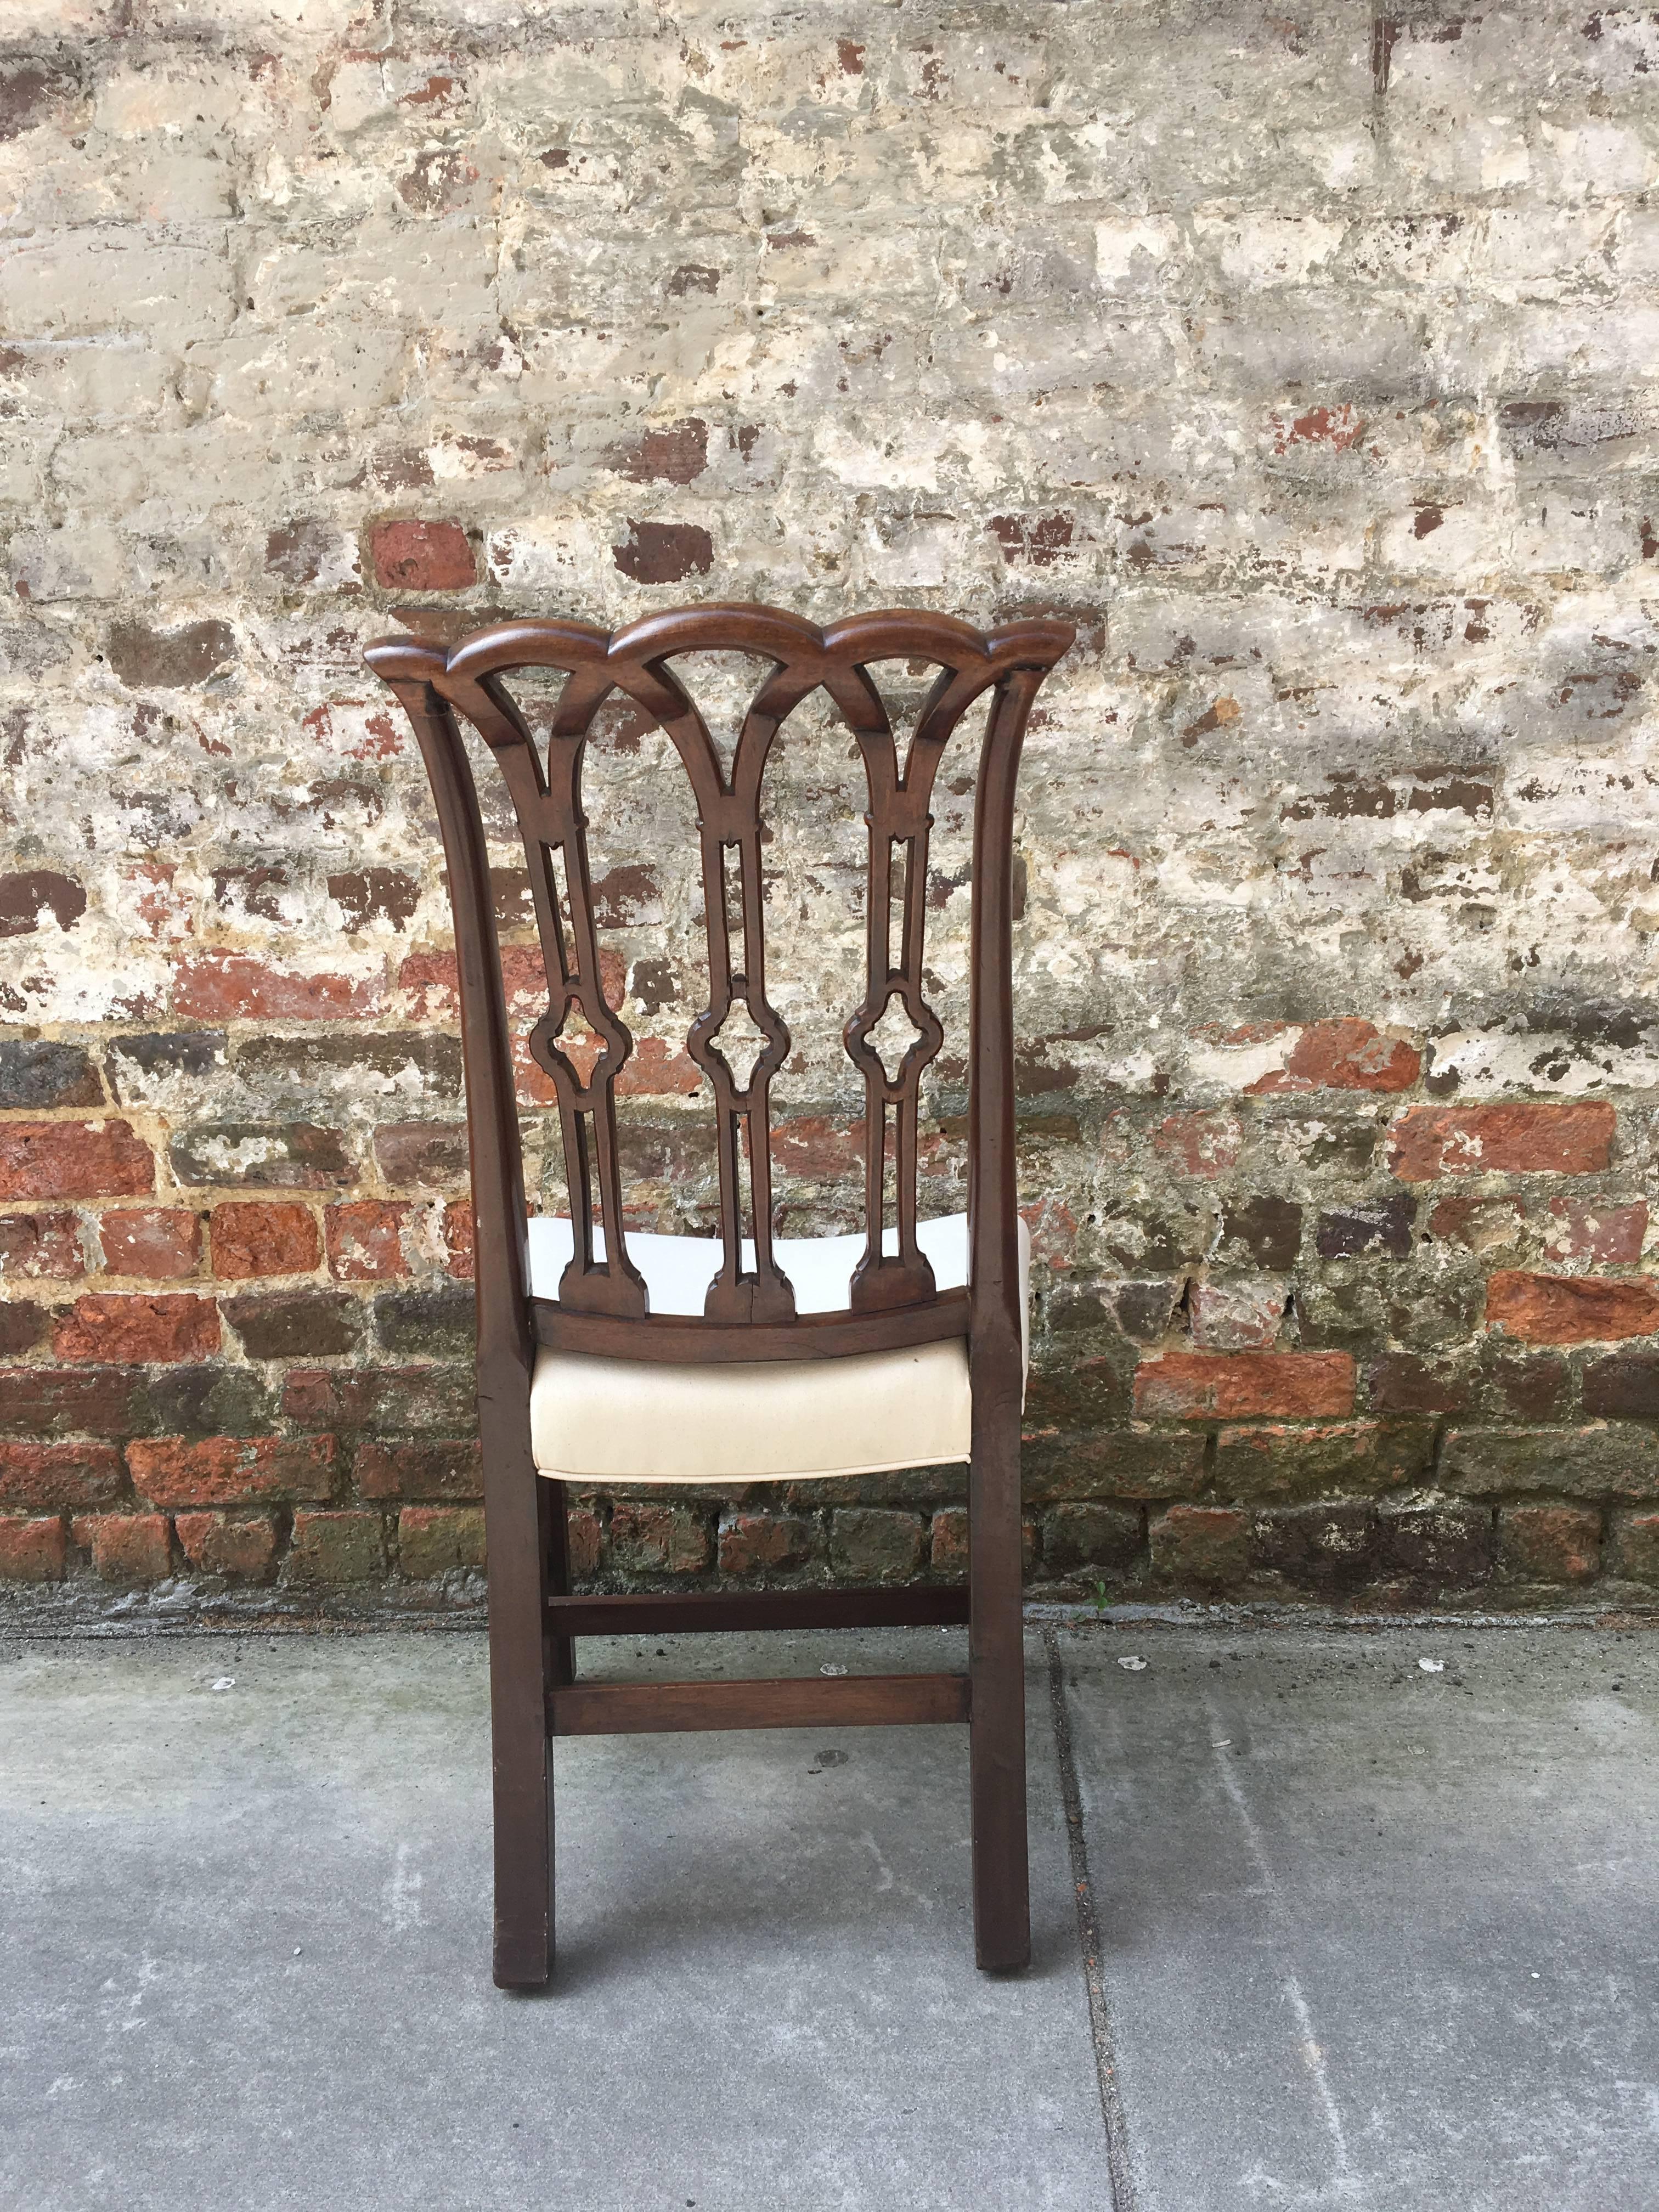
602, 1306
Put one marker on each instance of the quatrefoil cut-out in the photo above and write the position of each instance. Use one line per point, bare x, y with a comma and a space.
894, 1036
575, 1040
740, 1041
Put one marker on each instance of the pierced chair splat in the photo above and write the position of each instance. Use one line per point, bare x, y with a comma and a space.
609, 1356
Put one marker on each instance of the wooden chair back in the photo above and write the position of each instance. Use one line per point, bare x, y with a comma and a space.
603, 1304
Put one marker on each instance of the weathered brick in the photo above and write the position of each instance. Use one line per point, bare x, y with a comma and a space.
263, 1237
32, 1550
1204, 1142
1436, 1547
35, 1076
42, 1246
1326, 1548
1572, 1309
1115, 1462
436, 1539
1343, 1055
1103, 1539
1623, 1386
128, 1328
423, 556
260, 1155
1604, 1460
1585, 1229
659, 1540
1208, 1545
1205, 1386
1263, 1229
45, 1476
295, 1324
160, 1243
419, 1470
58, 1401
233, 986
429, 1322
231, 1470
423, 1155
365, 1240
1552, 1139
406, 1401
1237, 1313
1633, 1548
871, 1544
240, 1546
127, 1548
1349, 1459
74, 1159
24, 1326
1384, 1226
948, 1543
1550, 1543
337, 1547
764, 1543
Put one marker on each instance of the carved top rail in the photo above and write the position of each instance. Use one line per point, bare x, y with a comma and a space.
750, 1313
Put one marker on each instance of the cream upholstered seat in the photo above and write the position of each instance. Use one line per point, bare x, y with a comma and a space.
595, 1420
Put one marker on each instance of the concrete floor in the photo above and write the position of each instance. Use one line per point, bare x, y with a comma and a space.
1358, 1934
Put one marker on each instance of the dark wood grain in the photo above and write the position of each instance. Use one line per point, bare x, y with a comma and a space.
787, 1701
645, 1614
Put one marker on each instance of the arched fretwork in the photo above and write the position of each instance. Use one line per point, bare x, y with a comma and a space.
750, 1312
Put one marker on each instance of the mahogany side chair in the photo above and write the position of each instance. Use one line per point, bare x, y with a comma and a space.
606, 1355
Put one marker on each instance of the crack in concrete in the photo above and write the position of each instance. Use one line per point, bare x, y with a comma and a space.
1101, 2032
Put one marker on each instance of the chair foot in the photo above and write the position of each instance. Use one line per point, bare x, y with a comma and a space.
521, 1966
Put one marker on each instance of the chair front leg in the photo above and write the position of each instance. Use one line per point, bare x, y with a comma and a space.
996, 1663
514, 1513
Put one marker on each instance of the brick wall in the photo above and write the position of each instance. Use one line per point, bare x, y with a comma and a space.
1306, 359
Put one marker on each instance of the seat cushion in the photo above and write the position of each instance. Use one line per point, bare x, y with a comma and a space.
593, 1420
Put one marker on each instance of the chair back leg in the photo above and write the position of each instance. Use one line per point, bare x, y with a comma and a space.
520, 1521
996, 1664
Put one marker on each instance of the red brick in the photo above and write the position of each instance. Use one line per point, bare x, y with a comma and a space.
757, 1543
365, 1241
1550, 1543
432, 981
68, 1401
231, 1470
435, 1539
337, 1547
127, 1548
1564, 1137
160, 1242
585, 1532
423, 556
947, 1540
233, 986
459, 1239
128, 1328
74, 1159
1204, 1544
1572, 1309
1346, 1055
1230, 1385
1204, 1143
59, 1474
1052, 1226
40, 1247
420, 1470
32, 1551
1581, 1229
264, 1236
812, 1148
240, 1544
